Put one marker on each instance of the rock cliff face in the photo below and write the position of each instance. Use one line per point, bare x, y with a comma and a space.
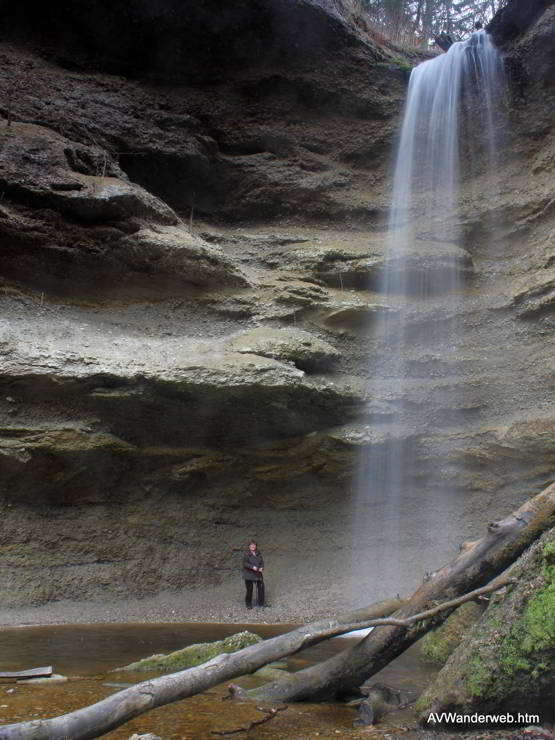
191, 227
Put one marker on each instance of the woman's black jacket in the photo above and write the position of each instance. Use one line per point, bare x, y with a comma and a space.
250, 561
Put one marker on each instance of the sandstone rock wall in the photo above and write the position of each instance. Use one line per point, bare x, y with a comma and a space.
191, 227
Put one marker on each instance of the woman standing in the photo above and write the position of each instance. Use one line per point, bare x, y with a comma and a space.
253, 569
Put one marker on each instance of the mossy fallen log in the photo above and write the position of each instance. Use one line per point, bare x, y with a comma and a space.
437, 645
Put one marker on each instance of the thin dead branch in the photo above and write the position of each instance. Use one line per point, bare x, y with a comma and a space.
269, 714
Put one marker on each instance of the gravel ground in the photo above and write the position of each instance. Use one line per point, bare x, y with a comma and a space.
223, 603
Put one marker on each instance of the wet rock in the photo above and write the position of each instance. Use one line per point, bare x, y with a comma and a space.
538, 297
177, 252
425, 269
140, 439
299, 294
438, 644
213, 153
35, 169
381, 700
531, 439
516, 18
422, 270
193, 654
293, 345
354, 314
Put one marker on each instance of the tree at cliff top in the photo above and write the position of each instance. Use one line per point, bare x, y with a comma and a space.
420, 21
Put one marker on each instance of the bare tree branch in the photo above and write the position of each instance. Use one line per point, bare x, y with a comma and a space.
270, 714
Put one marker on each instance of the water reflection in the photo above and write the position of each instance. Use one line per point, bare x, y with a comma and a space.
98, 648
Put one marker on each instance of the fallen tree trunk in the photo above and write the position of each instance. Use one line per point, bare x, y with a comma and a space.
97, 719
476, 564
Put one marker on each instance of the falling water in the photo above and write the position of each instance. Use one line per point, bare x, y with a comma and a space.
405, 507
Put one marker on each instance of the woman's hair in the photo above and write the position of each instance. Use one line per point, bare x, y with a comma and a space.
252, 542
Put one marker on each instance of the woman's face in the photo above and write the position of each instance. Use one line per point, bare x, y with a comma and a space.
252, 547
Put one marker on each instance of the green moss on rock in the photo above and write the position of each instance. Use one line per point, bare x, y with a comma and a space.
507, 660
532, 634
438, 645
193, 655
528, 649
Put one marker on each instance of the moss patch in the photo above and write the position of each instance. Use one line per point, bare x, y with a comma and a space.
506, 662
526, 652
438, 645
193, 654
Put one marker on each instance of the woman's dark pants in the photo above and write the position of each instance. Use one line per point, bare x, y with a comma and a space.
259, 593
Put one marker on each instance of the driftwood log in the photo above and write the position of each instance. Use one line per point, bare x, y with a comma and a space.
478, 562
29, 673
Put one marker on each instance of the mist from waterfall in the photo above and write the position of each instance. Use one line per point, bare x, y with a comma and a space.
404, 496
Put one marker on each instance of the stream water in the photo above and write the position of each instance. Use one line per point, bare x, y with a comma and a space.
86, 654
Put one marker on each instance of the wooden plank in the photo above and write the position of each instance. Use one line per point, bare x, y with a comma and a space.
30, 673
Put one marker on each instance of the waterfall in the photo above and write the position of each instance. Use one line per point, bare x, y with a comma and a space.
426, 180
406, 503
